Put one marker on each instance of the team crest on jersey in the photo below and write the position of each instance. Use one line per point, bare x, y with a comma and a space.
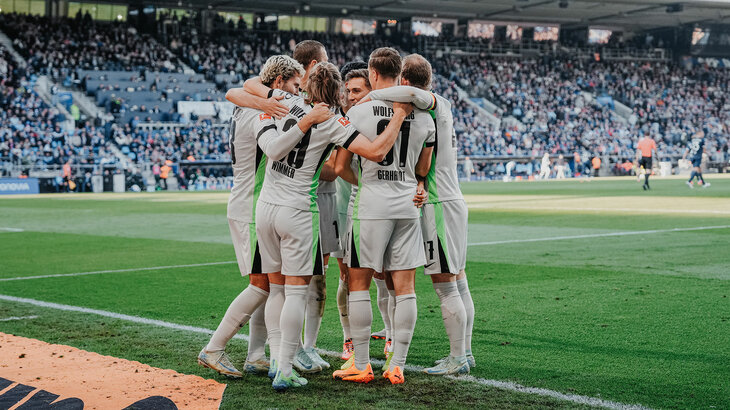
264, 117
343, 121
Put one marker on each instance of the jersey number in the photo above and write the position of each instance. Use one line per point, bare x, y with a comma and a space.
405, 133
295, 159
429, 246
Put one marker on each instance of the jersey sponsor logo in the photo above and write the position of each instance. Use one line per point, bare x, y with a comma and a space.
263, 117
283, 169
343, 121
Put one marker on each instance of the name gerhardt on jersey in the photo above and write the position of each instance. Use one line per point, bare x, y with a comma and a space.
386, 188
248, 162
293, 179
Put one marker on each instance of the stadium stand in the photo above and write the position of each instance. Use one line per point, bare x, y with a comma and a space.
32, 133
506, 109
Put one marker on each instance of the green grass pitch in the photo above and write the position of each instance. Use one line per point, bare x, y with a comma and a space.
567, 298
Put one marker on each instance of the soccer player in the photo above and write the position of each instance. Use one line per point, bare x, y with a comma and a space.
355, 88
386, 232
357, 84
444, 216
695, 150
646, 148
286, 214
283, 73
308, 53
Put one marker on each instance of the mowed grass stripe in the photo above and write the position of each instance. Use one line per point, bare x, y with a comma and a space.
61, 275
511, 241
47, 253
601, 235
505, 385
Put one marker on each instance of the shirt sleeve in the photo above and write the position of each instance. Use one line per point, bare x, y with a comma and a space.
422, 99
342, 132
273, 144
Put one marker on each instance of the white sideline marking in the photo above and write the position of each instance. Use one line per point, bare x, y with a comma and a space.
599, 235
629, 210
61, 275
5, 229
8, 319
504, 385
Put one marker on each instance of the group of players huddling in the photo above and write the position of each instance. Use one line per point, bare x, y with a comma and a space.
367, 148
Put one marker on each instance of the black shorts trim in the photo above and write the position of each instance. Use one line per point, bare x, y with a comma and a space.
256, 265
442, 258
354, 261
318, 262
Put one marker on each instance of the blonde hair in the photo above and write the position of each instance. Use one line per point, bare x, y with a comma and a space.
280, 65
324, 85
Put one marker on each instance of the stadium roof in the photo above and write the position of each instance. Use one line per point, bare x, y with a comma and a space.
628, 14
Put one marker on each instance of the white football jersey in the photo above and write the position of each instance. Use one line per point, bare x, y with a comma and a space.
248, 162
293, 179
442, 181
386, 188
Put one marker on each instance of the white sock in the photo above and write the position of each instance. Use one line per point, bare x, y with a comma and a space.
257, 335
454, 315
292, 320
237, 315
272, 315
342, 297
469, 306
383, 296
361, 320
315, 310
406, 313
391, 315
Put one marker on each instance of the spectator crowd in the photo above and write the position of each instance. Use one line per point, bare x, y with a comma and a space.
552, 103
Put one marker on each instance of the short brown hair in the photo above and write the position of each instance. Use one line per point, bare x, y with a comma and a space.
308, 50
385, 61
417, 70
324, 85
361, 73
